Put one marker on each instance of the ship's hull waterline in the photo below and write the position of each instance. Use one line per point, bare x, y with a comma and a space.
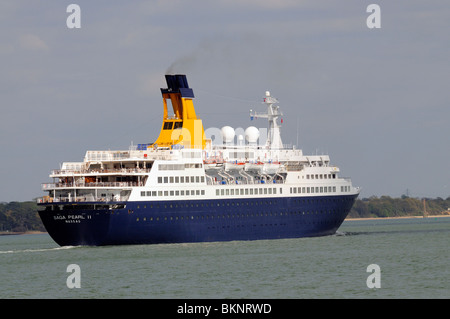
197, 221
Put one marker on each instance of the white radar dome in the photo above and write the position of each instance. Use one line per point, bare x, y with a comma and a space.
227, 134
251, 134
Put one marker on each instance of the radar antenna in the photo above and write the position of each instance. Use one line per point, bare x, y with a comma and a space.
272, 114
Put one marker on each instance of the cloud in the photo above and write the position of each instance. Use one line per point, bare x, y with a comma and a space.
33, 43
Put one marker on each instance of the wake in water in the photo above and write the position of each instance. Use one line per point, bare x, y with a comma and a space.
36, 250
349, 233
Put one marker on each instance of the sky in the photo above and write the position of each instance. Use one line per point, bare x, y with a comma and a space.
376, 100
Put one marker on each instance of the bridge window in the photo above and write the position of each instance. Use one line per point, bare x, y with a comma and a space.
168, 125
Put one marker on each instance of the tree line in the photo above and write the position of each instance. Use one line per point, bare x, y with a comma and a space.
20, 217
386, 206
23, 216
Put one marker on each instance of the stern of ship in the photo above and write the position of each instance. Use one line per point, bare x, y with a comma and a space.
75, 225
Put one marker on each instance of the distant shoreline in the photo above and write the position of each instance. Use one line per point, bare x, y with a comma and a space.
398, 217
30, 232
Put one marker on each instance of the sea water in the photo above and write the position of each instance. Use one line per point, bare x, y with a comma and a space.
412, 256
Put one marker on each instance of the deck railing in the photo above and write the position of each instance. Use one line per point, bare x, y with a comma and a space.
49, 186
101, 171
81, 199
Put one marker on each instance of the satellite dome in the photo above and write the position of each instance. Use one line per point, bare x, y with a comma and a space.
227, 134
251, 134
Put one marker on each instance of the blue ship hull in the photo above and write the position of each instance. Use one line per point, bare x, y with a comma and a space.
153, 222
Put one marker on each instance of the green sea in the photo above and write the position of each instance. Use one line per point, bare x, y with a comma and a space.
412, 256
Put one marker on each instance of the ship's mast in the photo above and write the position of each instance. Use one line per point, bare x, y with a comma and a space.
273, 112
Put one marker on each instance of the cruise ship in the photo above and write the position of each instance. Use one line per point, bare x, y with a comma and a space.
184, 188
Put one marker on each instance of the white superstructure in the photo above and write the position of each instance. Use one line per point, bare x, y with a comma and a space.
214, 171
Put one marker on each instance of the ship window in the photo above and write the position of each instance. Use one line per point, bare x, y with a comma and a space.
321, 189
171, 179
242, 191
159, 193
177, 125
274, 190
166, 179
177, 179
197, 179
307, 176
295, 190
153, 193
265, 190
182, 193
187, 192
182, 179
202, 179
217, 192
334, 189
142, 193
192, 179
308, 190
221, 192
232, 192
270, 191
159, 180
197, 192
149, 193
166, 193
203, 192
168, 125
